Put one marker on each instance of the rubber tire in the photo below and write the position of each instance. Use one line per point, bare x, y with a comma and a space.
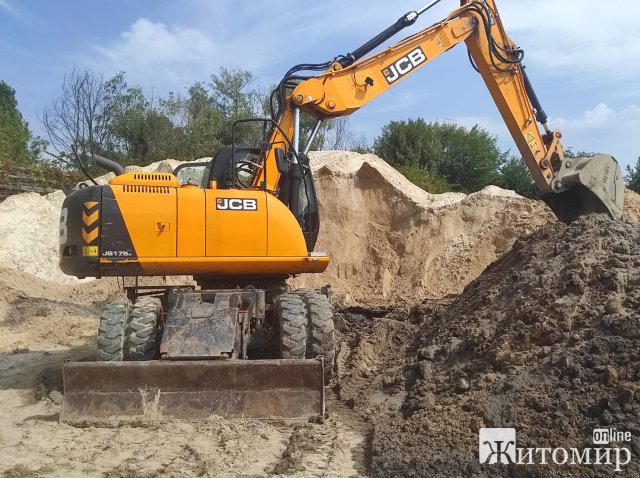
321, 339
141, 341
112, 330
291, 317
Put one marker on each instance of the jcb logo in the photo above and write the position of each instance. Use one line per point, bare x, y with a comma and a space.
229, 204
404, 65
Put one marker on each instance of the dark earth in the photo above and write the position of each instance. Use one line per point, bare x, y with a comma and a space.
544, 341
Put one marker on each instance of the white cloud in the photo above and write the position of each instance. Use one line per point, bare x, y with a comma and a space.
605, 130
153, 50
591, 37
265, 38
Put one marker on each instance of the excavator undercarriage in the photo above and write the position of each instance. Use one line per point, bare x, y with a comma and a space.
192, 362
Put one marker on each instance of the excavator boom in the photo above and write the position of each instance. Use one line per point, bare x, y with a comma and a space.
571, 187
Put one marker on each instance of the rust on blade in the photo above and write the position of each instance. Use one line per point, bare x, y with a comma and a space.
103, 392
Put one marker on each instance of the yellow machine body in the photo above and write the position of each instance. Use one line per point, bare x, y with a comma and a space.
171, 229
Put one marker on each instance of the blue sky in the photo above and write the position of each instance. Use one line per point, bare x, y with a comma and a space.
582, 57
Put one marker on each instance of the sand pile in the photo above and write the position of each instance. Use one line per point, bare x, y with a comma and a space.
29, 235
631, 210
545, 340
391, 241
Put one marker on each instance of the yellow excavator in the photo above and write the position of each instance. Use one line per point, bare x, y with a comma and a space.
242, 343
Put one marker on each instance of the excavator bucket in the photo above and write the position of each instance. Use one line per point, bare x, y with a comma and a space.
586, 186
111, 393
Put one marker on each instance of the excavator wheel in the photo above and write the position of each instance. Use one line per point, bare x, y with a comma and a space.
321, 338
141, 343
112, 330
291, 316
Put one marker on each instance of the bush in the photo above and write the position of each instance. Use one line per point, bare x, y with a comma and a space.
466, 159
633, 177
515, 175
425, 179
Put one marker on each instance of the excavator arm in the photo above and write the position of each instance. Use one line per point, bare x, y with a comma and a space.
571, 187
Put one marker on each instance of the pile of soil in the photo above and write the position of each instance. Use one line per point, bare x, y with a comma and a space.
391, 242
631, 209
544, 341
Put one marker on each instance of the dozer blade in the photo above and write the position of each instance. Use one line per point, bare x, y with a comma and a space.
586, 186
110, 393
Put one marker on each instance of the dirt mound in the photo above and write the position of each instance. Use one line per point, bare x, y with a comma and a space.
545, 341
29, 235
631, 209
390, 241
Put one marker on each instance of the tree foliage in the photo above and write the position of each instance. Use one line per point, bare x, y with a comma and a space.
470, 159
633, 177
467, 159
408, 143
113, 119
15, 136
515, 175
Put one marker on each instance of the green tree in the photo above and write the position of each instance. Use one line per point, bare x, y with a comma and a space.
142, 130
467, 159
515, 175
470, 159
14, 130
633, 177
408, 143
127, 107
233, 97
205, 123
569, 153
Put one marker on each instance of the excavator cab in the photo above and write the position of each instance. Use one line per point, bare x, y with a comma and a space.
219, 169
240, 166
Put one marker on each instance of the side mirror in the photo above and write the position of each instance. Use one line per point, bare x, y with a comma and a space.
282, 162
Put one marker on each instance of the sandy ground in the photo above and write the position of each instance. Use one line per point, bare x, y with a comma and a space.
43, 325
